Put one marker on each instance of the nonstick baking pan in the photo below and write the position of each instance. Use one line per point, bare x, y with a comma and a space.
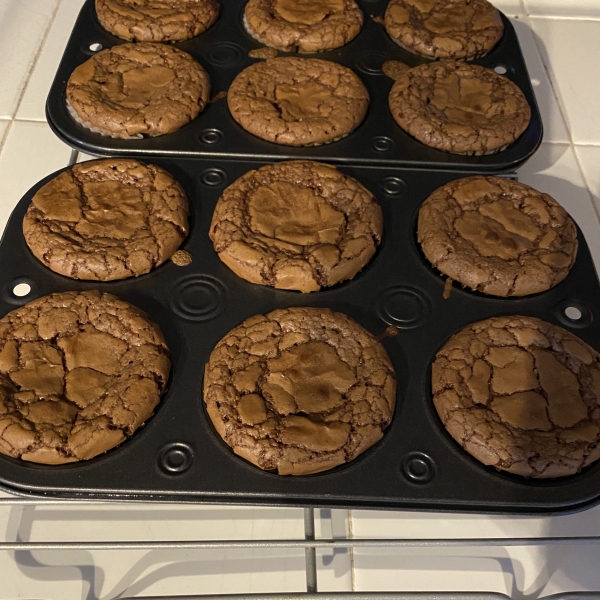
177, 456
223, 52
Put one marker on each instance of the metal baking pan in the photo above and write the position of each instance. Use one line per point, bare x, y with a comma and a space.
223, 52
177, 456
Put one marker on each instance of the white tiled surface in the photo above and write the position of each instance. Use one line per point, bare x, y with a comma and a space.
23, 25
570, 50
565, 9
558, 37
34, 99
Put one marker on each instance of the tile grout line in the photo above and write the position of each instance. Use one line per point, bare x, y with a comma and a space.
563, 18
37, 57
563, 115
5, 136
351, 536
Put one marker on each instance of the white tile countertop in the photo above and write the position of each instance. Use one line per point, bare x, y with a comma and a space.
561, 43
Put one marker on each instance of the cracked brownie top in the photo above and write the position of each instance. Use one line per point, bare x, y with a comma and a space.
299, 390
303, 25
521, 395
298, 101
107, 219
138, 89
297, 225
79, 373
497, 236
459, 107
459, 29
157, 20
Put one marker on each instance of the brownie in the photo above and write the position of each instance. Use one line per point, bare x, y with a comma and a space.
521, 395
157, 20
297, 225
79, 373
107, 219
136, 90
299, 390
455, 29
303, 25
459, 107
497, 236
298, 101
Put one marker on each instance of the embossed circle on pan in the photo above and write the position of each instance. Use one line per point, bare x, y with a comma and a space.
393, 186
225, 54
211, 136
371, 63
381, 143
174, 459
212, 177
404, 307
198, 298
417, 467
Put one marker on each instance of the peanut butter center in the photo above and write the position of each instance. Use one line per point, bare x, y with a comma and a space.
307, 12
114, 210
303, 101
310, 377
294, 214
464, 101
143, 84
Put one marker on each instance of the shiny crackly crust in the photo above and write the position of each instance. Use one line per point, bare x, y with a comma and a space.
521, 395
138, 89
459, 107
276, 260
157, 20
107, 219
265, 98
79, 373
313, 429
335, 29
497, 236
459, 29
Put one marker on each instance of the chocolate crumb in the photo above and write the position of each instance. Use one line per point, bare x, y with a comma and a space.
221, 94
265, 53
447, 288
182, 258
394, 69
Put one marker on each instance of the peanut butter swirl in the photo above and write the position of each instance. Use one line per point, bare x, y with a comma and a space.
303, 25
297, 225
79, 373
138, 90
497, 236
299, 390
459, 29
521, 395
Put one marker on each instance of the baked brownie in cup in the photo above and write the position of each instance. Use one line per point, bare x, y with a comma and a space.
299, 390
497, 236
459, 107
303, 25
457, 29
157, 20
297, 225
79, 373
298, 101
521, 395
137, 90
107, 219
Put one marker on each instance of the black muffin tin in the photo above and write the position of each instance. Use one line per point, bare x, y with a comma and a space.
223, 52
177, 456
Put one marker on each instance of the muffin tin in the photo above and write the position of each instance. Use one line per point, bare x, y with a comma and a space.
223, 52
177, 456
